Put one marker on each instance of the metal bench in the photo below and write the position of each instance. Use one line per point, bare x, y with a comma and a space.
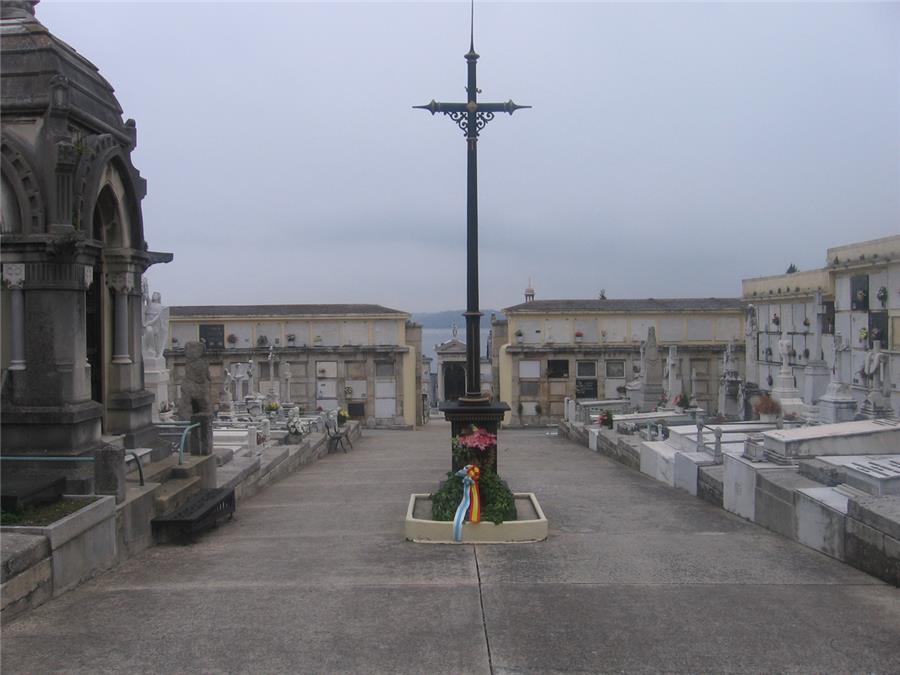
204, 512
337, 435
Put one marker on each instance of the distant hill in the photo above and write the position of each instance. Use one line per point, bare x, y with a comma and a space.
447, 318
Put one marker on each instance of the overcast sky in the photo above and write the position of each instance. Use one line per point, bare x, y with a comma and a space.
673, 149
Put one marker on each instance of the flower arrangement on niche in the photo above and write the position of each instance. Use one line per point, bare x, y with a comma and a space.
682, 401
766, 405
776, 320
863, 334
231, 339
296, 427
806, 321
606, 419
882, 295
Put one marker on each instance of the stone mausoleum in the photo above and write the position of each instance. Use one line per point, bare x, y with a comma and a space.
363, 358
73, 251
550, 350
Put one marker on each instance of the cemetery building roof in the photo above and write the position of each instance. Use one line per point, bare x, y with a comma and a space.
195, 311
36, 62
629, 305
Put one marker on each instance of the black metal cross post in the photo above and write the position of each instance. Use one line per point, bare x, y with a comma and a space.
472, 117
474, 408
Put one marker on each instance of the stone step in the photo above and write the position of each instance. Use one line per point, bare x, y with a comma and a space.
155, 472
223, 455
168, 468
175, 493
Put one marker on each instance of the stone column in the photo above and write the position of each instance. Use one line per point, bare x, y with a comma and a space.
14, 280
120, 284
109, 472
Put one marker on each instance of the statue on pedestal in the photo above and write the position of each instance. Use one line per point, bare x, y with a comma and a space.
156, 327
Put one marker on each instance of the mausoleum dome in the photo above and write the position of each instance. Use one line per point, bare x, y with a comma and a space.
41, 71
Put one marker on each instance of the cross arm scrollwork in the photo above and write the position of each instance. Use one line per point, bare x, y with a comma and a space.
459, 112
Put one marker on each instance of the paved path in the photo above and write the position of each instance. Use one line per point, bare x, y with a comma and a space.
314, 576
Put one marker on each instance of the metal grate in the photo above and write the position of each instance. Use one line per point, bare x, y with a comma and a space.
202, 513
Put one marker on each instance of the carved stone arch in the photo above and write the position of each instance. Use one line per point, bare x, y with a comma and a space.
105, 166
23, 202
111, 220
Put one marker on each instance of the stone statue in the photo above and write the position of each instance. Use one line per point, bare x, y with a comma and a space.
195, 385
672, 374
784, 349
155, 323
730, 364
873, 367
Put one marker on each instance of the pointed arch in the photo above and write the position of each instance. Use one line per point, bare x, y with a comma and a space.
23, 202
105, 169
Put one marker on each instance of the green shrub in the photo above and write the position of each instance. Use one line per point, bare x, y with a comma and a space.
497, 501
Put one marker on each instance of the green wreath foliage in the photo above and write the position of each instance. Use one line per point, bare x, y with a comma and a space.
497, 500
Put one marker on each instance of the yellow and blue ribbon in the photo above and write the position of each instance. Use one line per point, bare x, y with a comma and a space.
471, 500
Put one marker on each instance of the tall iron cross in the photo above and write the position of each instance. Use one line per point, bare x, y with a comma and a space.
472, 117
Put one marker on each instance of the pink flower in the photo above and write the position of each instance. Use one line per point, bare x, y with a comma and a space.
479, 439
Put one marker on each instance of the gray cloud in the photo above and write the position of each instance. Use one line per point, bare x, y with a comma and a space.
671, 150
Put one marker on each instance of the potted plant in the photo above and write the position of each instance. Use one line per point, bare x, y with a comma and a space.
863, 334
579, 336
520, 336
882, 295
231, 339
767, 408
776, 320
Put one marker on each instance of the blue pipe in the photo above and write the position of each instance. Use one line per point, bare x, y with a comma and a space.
183, 439
44, 458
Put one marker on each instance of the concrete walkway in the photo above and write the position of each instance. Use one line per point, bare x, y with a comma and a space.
314, 576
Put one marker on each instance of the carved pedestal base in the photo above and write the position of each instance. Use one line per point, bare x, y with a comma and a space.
462, 416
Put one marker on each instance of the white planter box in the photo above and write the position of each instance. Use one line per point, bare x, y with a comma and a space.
532, 528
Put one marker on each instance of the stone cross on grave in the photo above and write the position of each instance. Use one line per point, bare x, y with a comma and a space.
271, 359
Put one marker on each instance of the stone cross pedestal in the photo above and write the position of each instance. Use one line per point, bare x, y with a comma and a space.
674, 383
651, 390
729, 388
785, 390
837, 404
488, 417
815, 374
196, 382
